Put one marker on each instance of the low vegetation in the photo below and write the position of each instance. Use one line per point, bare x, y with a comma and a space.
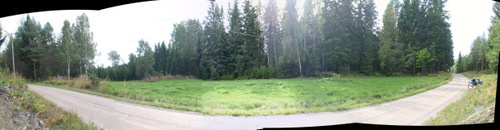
473, 101
262, 96
21, 109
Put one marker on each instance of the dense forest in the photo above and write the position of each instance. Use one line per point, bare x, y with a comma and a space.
322, 38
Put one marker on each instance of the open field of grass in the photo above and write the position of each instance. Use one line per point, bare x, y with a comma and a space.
268, 96
482, 96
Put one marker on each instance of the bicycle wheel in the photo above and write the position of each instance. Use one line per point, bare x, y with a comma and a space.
470, 85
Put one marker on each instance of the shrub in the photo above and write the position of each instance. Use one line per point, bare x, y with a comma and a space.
257, 73
227, 77
94, 81
88, 86
104, 88
328, 74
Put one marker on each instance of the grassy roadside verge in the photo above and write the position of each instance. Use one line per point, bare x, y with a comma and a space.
473, 101
24, 109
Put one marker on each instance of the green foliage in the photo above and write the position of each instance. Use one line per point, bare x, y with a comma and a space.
114, 57
95, 81
145, 60
493, 46
424, 59
328, 36
431, 32
2, 37
389, 53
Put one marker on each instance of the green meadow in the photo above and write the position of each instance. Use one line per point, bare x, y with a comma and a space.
267, 96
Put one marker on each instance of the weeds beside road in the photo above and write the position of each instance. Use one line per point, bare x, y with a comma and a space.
24, 109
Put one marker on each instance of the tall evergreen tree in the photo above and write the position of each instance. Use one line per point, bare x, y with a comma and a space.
493, 46
30, 48
47, 59
291, 64
236, 41
254, 42
367, 16
271, 32
213, 60
131, 66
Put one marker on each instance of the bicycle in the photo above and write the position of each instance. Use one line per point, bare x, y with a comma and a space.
472, 85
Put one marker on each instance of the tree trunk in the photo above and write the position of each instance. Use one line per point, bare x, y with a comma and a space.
275, 55
67, 61
34, 70
322, 62
85, 65
482, 62
300, 65
80, 67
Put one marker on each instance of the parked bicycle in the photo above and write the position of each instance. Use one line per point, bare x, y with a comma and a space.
473, 83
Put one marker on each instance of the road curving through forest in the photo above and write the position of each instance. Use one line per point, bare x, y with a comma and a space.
109, 113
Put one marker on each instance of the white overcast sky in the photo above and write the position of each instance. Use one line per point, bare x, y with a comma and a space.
121, 27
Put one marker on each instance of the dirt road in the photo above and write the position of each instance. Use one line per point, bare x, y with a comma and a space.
111, 114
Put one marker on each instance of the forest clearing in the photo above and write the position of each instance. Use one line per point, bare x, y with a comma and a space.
260, 96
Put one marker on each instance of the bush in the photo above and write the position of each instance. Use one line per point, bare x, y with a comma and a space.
257, 73
95, 81
88, 86
227, 77
105, 88
328, 74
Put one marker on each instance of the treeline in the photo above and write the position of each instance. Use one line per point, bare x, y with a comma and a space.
326, 37
322, 38
207, 51
484, 51
38, 53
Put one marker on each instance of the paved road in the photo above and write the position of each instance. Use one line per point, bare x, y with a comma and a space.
111, 114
